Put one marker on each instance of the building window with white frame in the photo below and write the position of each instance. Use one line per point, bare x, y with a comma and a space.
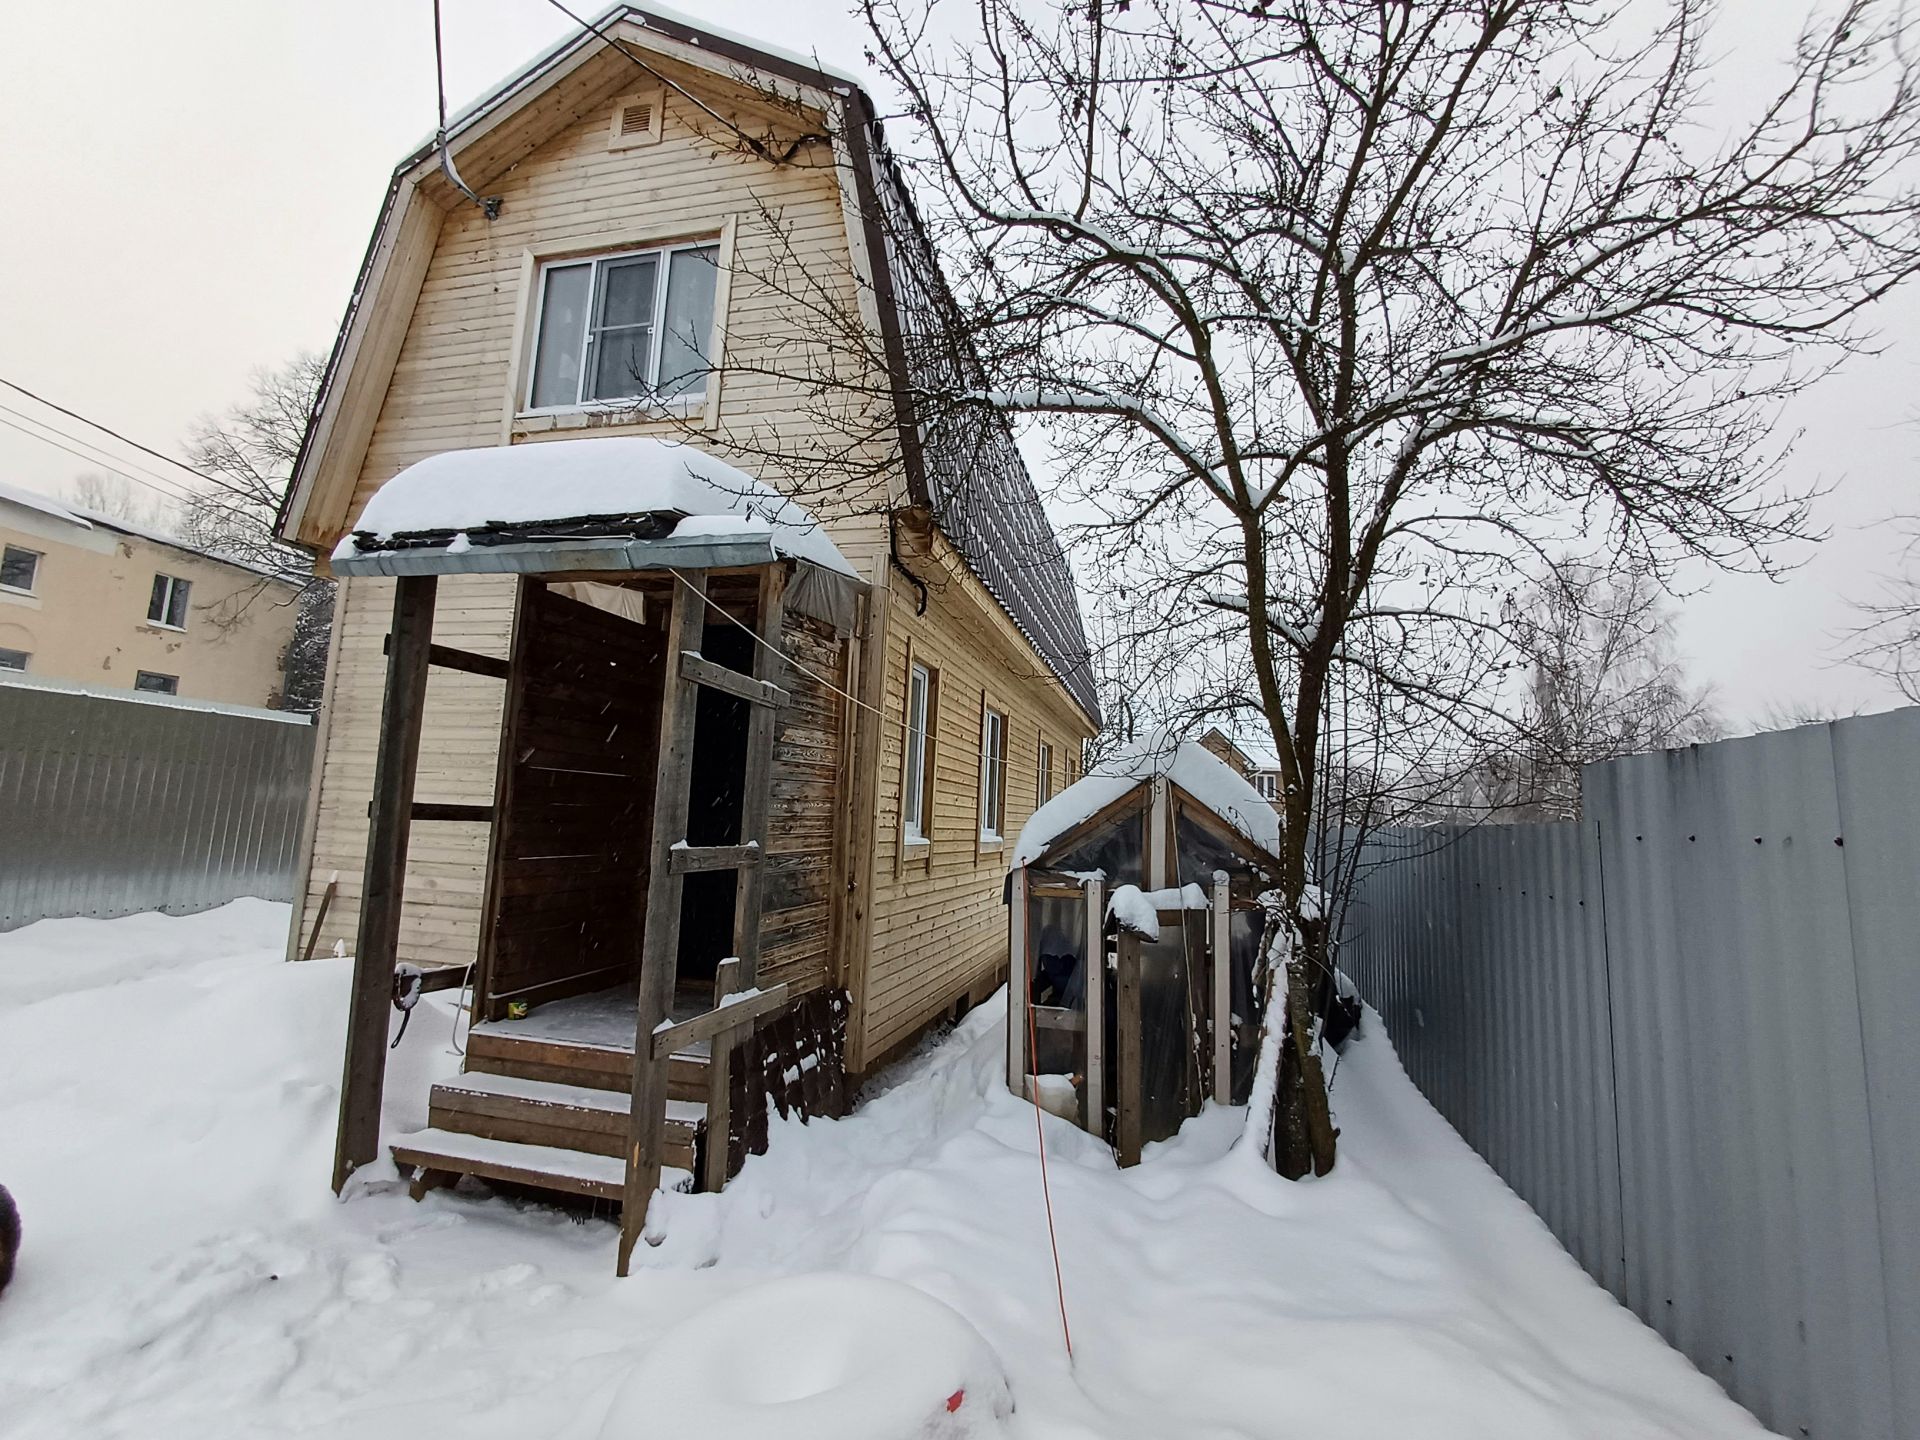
155, 683
916, 796
633, 326
167, 605
19, 568
14, 659
1043, 790
993, 774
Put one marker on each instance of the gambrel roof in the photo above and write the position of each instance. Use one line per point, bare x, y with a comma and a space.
966, 472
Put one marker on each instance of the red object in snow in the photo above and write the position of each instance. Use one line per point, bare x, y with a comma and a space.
955, 1400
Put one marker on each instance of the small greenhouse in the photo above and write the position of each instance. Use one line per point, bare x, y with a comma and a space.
1152, 865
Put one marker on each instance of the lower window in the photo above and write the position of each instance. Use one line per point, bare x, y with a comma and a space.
156, 683
14, 659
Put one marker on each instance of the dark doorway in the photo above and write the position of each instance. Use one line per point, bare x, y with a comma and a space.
718, 793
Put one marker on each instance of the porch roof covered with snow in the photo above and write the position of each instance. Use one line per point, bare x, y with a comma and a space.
618, 503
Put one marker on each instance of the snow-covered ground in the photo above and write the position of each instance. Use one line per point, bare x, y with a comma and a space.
167, 1097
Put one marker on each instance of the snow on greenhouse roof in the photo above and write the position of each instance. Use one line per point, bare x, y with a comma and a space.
521, 488
1199, 772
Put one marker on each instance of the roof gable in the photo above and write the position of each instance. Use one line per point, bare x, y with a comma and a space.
968, 475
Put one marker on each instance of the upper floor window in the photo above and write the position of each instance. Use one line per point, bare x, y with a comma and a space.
993, 774
637, 325
168, 603
1044, 790
18, 568
14, 659
916, 787
155, 683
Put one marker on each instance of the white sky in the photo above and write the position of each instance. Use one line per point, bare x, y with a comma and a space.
189, 187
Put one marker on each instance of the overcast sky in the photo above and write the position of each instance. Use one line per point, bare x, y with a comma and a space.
189, 187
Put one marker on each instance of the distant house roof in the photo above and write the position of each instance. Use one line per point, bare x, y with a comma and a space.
84, 519
965, 471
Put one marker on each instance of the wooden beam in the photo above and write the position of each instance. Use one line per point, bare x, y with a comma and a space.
723, 1020
713, 1172
692, 859
427, 810
357, 1140
1096, 989
749, 894
1126, 1050
1159, 836
660, 944
1019, 984
702, 671
527, 594
1222, 987
445, 657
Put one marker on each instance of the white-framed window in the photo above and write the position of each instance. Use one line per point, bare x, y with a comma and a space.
167, 605
630, 326
993, 773
1267, 783
14, 659
156, 684
19, 568
916, 789
1043, 789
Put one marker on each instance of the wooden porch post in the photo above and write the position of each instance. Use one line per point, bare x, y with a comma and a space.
1126, 1048
377, 948
1222, 987
1019, 985
660, 945
1096, 987
757, 797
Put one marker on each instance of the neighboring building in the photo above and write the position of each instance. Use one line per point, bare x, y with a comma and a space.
1261, 773
643, 198
95, 600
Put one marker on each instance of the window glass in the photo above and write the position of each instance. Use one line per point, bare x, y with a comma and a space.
157, 684
1044, 790
993, 774
18, 568
168, 603
563, 335
623, 329
624, 326
14, 659
913, 799
688, 333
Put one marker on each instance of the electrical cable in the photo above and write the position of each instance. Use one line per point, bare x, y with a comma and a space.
491, 205
819, 679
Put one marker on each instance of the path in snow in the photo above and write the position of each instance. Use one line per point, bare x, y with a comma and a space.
167, 1091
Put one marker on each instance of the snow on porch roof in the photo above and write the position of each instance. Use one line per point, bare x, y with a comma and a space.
1187, 763
614, 502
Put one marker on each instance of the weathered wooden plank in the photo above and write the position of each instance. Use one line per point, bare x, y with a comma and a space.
694, 859
1126, 1046
713, 1175
702, 671
358, 1139
757, 792
719, 1021
1096, 990
660, 946
446, 657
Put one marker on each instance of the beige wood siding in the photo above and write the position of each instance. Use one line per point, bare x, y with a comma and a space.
939, 924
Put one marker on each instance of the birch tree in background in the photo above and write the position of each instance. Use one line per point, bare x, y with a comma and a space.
1339, 312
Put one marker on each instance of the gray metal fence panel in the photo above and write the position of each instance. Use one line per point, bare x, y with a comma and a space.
110, 805
1682, 1028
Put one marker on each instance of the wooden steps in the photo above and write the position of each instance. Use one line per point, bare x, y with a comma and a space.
441, 1154
552, 1115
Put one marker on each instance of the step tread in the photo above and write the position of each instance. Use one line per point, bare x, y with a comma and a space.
510, 1032
547, 1166
579, 1097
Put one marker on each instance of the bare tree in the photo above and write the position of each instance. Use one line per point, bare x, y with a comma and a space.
1603, 679
1887, 640
1338, 310
250, 450
114, 497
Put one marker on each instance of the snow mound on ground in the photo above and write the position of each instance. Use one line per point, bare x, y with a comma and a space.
1187, 763
817, 1357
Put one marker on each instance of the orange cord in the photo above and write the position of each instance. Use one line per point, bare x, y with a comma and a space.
1046, 1192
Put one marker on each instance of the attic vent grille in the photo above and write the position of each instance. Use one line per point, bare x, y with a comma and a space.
636, 121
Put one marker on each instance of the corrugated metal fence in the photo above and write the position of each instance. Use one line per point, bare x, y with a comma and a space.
110, 805
1686, 1029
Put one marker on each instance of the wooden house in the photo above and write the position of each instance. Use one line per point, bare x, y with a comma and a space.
585, 751
1135, 923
